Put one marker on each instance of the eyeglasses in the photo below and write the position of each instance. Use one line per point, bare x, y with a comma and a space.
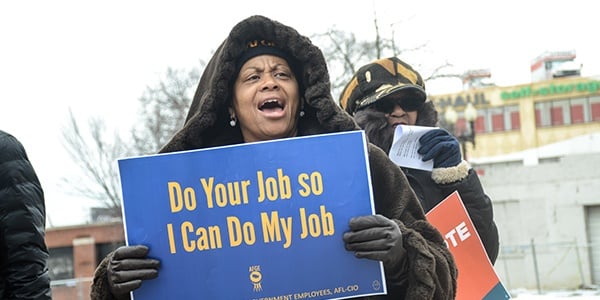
387, 104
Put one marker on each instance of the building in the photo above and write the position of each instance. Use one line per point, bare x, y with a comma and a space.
526, 117
473, 79
536, 147
75, 251
554, 64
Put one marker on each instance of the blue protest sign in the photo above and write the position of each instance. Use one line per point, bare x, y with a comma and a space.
253, 221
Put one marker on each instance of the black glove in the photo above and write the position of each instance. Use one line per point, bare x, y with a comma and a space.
376, 237
442, 147
128, 267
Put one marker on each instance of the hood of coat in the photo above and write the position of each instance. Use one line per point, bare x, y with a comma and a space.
427, 115
207, 121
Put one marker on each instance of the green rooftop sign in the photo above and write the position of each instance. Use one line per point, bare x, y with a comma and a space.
590, 86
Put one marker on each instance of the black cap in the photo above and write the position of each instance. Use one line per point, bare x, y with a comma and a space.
379, 79
260, 47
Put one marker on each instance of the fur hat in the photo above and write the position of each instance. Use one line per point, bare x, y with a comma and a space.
379, 79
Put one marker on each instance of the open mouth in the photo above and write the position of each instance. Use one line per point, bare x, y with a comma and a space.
271, 106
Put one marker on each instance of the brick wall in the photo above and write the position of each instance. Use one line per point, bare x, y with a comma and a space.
83, 239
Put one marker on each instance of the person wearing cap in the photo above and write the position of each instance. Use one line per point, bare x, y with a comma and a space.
389, 92
266, 82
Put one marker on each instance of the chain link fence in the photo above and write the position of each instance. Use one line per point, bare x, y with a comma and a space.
546, 266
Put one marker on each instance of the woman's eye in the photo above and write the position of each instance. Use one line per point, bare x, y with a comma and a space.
282, 74
253, 77
384, 106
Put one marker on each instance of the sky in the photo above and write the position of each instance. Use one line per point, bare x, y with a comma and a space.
96, 58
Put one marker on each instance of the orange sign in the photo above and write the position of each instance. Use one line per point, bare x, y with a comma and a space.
477, 278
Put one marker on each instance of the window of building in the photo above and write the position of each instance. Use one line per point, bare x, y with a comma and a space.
595, 108
103, 249
557, 114
567, 111
547, 160
512, 119
579, 113
479, 123
60, 263
547, 113
485, 119
515, 120
497, 114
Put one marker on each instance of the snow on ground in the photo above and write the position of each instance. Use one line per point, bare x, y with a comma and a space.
564, 295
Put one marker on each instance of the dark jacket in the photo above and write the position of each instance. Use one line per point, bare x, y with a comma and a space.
23, 252
431, 272
427, 185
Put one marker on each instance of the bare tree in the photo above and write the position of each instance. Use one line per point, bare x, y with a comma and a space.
345, 54
96, 151
163, 110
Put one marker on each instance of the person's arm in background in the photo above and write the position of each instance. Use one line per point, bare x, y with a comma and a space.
452, 173
22, 223
424, 268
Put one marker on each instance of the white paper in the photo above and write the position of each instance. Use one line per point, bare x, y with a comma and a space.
405, 145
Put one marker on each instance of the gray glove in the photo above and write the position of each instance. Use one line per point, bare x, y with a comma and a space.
128, 267
376, 237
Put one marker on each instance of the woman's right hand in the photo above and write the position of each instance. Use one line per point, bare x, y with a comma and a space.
128, 267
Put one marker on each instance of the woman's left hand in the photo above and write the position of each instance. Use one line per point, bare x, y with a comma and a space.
442, 147
375, 237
